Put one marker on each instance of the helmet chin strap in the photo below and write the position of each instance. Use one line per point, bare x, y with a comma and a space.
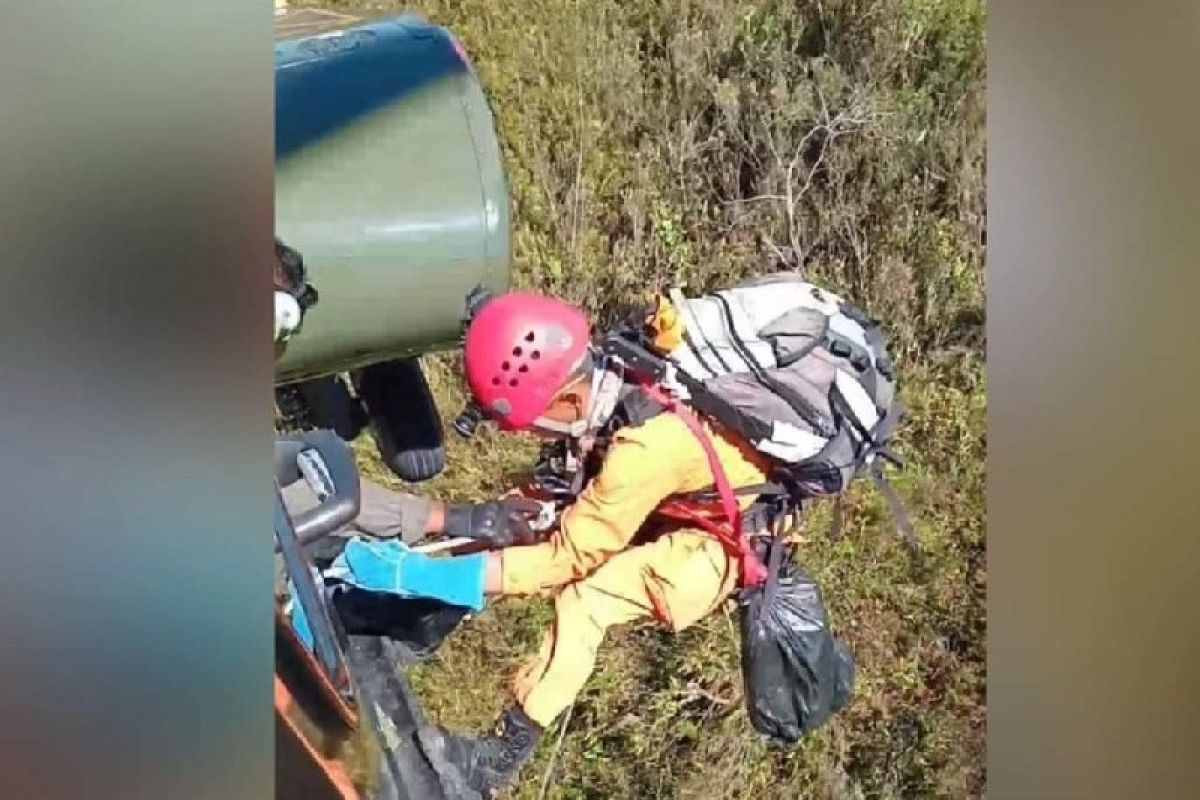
602, 401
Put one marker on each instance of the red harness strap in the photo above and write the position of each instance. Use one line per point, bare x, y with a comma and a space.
731, 534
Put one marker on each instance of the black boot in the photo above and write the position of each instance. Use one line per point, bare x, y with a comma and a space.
487, 763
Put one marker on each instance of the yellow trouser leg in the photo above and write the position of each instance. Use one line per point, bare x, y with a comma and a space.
677, 579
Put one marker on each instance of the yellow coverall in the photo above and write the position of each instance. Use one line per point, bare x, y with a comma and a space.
599, 580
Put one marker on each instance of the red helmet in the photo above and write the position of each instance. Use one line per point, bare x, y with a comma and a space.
520, 351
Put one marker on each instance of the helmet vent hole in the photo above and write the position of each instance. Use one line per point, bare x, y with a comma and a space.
505, 366
523, 368
513, 383
517, 352
496, 381
535, 355
529, 337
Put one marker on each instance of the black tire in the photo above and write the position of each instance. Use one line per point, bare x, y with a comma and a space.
330, 406
403, 418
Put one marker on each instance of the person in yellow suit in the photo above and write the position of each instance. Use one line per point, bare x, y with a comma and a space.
531, 366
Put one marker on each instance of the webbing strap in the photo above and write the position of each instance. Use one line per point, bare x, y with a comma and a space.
903, 522
835, 527
753, 573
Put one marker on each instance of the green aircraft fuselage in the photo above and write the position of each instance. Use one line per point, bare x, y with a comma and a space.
389, 181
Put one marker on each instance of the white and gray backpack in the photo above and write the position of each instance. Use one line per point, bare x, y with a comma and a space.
801, 374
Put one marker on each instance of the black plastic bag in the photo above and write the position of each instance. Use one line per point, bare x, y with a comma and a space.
418, 623
796, 674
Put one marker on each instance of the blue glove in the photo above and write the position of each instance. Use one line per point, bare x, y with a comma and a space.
392, 567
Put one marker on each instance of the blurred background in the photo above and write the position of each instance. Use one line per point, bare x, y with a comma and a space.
137, 185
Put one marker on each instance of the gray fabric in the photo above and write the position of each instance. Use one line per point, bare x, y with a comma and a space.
745, 392
837, 463
795, 333
382, 512
883, 390
813, 337
812, 383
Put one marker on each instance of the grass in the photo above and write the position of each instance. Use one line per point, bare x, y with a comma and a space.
651, 142
663, 715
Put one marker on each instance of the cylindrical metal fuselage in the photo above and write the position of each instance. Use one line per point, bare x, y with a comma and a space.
389, 182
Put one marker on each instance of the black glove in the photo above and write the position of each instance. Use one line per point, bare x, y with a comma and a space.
500, 523
557, 474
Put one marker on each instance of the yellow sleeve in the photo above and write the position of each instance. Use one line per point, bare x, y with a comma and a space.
643, 466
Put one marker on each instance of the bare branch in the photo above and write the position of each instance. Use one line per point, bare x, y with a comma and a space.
799, 149
562, 732
695, 693
577, 204
783, 257
768, 135
756, 199
821, 99
808, 179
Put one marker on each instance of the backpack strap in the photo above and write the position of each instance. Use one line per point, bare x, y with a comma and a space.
875, 444
774, 565
733, 537
903, 522
835, 527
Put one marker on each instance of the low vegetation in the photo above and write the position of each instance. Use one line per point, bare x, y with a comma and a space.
656, 142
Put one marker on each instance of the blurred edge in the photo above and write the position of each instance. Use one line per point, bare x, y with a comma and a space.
1092, 505
136, 201
137, 175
